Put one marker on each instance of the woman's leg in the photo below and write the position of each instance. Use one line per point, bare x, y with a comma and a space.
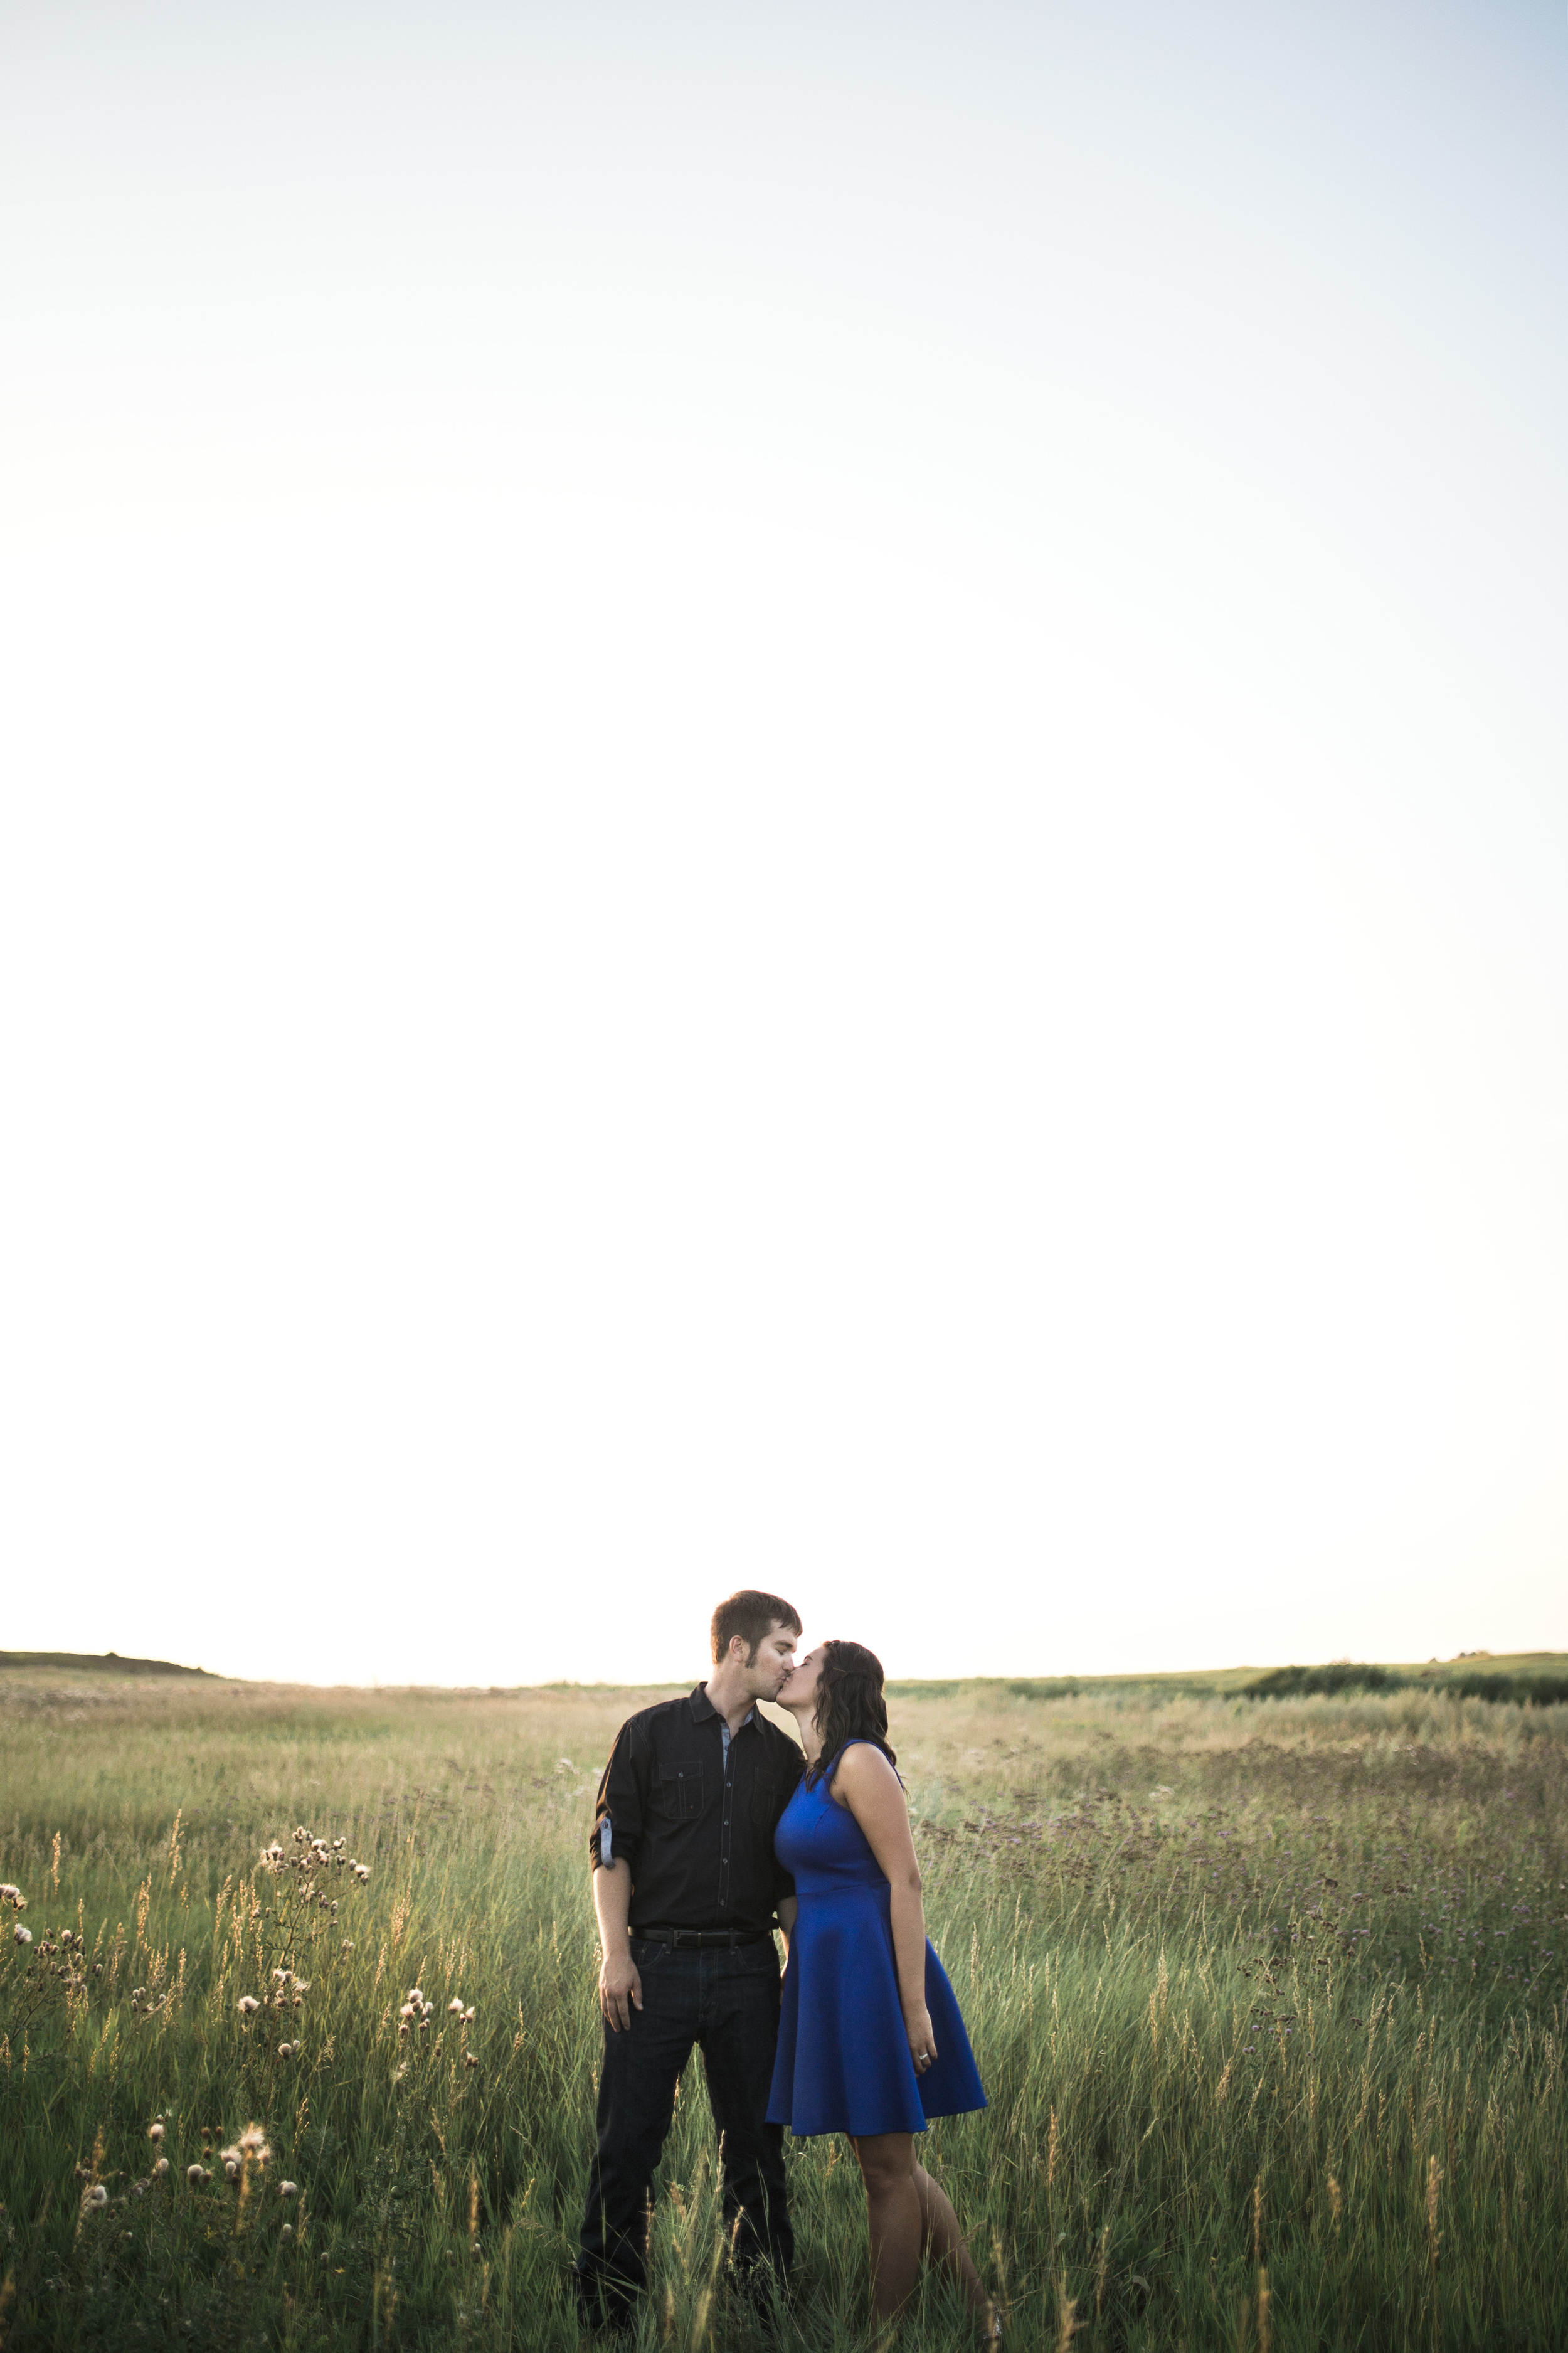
945, 2242
887, 2163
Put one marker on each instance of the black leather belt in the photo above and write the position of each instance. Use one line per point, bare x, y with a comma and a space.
702, 1938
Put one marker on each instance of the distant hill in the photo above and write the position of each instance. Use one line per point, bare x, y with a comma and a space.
88, 1662
1537, 1677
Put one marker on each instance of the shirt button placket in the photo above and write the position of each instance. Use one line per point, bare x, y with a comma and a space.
724, 1844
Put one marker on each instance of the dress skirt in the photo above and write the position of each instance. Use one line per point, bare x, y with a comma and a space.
844, 2061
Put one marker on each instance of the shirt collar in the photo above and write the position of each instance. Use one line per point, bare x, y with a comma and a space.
702, 1707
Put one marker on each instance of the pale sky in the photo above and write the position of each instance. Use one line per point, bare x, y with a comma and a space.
785, 802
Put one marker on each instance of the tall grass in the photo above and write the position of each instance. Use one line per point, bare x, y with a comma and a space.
1268, 2000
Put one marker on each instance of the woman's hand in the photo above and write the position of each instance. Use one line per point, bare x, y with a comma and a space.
922, 2042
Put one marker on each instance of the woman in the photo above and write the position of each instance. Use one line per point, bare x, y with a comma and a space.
870, 2040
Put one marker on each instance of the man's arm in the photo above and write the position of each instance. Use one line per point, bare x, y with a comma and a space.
620, 1984
613, 1851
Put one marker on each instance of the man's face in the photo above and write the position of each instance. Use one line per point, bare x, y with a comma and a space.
775, 1657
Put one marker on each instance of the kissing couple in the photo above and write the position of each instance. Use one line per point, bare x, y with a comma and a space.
713, 1828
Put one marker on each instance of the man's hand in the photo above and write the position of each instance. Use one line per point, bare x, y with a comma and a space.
619, 1987
620, 1984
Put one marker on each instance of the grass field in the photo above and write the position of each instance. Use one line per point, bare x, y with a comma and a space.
1268, 1998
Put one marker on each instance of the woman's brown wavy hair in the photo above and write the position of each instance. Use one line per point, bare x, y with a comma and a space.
849, 1703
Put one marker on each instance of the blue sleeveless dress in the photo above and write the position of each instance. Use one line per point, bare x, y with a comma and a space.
844, 2061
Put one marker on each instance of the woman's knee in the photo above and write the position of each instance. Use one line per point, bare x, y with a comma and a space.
885, 2160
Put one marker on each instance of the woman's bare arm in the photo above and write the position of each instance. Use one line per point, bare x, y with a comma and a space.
867, 1785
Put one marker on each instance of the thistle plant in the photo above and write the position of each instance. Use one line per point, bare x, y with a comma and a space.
300, 1921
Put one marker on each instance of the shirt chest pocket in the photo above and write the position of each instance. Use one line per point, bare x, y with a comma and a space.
681, 1792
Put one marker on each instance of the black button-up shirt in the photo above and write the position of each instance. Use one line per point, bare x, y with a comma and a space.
695, 1822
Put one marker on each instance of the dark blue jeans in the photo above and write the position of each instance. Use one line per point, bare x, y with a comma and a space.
728, 2004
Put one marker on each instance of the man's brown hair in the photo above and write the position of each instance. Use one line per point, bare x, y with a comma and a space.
751, 1616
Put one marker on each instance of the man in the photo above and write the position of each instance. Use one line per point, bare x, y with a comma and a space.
687, 1891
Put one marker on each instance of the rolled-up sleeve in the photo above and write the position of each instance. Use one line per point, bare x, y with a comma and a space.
621, 1805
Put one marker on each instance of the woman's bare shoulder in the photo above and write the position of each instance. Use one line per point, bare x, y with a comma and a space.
864, 1770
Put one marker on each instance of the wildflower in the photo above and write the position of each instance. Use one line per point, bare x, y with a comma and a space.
287, 2232
160, 2170
10, 1895
348, 1944
23, 1935
196, 2174
415, 1997
287, 2050
233, 2168
300, 1835
246, 2005
361, 1871
455, 2008
287, 2189
98, 2195
155, 2132
282, 1976
254, 2140
469, 2015
469, 2060
338, 1846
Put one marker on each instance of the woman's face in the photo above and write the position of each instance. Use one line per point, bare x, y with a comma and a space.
799, 1686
